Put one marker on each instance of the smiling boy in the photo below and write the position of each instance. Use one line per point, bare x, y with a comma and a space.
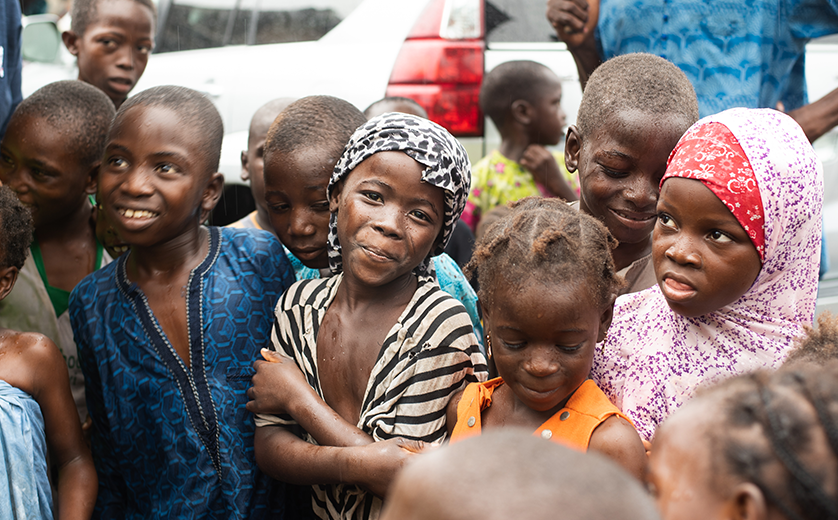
168, 332
112, 40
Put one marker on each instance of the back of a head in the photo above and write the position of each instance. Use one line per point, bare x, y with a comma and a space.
509, 473
637, 82
547, 240
819, 345
395, 104
322, 122
81, 113
15, 229
509, 82
197, 115
84, 12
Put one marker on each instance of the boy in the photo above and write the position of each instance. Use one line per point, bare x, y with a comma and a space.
634, 109
253, 164
167, 332
523, 99
112, 40
36, 407
379, 344
511, 474
302, 148
50, 157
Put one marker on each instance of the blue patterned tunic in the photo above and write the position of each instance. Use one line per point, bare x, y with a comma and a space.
171, 441
735, 53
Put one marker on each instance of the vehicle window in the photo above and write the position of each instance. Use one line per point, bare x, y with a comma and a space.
202, 24
518, 21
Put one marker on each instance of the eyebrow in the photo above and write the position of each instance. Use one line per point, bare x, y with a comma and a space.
383, 184
620, 155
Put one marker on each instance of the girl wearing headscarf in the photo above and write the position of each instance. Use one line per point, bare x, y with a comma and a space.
736, 250
374, 353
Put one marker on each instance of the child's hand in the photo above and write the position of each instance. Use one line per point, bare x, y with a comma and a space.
573, 20
277, 384
546, 172
376, 464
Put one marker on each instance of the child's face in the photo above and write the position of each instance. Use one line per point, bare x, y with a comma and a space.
295, 193
680, 467
543, 339
45, 173
620, 167
548, 122
388, 219
113, 51
154, 181
703, 257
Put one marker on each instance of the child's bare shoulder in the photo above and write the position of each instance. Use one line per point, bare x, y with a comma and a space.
30, 359
617, 438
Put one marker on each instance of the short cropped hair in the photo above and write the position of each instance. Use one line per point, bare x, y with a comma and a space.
80, 112
264, 116
509, 82
375, 108
638, 81
15, 229
83, 13
197, 114
324, 122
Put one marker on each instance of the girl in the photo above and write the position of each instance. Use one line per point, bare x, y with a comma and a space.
736, 249
547, 284
758, 446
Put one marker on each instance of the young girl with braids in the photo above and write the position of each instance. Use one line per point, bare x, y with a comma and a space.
547, 285
757, 446
736, 250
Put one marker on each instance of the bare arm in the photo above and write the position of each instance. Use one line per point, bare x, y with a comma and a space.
819, 117
77, 481
279, 387
617, 439
451, 412
546, 171
575, 22
284, 456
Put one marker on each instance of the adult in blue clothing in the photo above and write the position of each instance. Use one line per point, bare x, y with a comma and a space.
10, 62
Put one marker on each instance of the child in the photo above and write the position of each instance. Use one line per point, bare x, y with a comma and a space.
253, 164
111, 40
167, 333
395, 104
634, 109
509, 474
301, 150
818, 345
50, 157
380, 348
736, 250
755, 447
35, 401
542, 324
523, 99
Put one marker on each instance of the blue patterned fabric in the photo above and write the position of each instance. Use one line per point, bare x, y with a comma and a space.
736, 53
171, 441
25, 491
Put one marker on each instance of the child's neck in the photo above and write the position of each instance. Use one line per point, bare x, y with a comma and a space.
625, 254
263, 220
169, 259
513, 145
77, 225
357, 296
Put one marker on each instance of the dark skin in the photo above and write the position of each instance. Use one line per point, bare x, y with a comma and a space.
156, 186
388, 222
32, 363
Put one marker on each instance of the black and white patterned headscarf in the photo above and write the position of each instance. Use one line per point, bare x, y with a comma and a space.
446, 166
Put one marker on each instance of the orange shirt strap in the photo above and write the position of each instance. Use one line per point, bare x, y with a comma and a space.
476, 398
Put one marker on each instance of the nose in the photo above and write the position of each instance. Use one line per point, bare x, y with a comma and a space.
642, 191
125, 57
389, 222
299, 225
542, 361
136, 183
682, 251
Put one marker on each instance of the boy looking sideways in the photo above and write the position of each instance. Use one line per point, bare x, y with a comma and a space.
111, 40
376, 351
167, 333
50, 158
634, 109
523, 99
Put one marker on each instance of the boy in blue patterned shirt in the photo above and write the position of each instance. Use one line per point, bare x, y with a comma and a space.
167, 333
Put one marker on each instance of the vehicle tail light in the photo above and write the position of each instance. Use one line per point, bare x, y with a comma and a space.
440, 65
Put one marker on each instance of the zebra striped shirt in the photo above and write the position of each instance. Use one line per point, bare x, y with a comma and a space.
429, 354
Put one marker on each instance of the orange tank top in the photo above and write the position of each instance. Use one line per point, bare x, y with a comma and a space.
573, 425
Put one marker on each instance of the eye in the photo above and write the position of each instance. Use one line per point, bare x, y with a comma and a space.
109, 43
144, 49
570, 349
514, 346
167, 168
322, 205
666, 221
613, 173
6, 159
279, 208
376, 197
421, 215
117, 162
719, 236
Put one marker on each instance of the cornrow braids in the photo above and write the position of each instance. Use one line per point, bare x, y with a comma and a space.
775, 430
819, 345
547, 240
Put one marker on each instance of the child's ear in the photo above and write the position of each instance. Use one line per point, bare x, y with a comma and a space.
212, 193
522, 112
334, 198
747, 503
8, 276
92, 180
605, 320
572, 146
71, 42
245, 172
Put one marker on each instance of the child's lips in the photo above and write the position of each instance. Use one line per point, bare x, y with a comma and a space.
677, 290
634, 219
377, 254
307, 253
123, 85
135, 219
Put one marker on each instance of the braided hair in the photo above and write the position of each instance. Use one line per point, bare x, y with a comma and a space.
546, 240
776, 429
